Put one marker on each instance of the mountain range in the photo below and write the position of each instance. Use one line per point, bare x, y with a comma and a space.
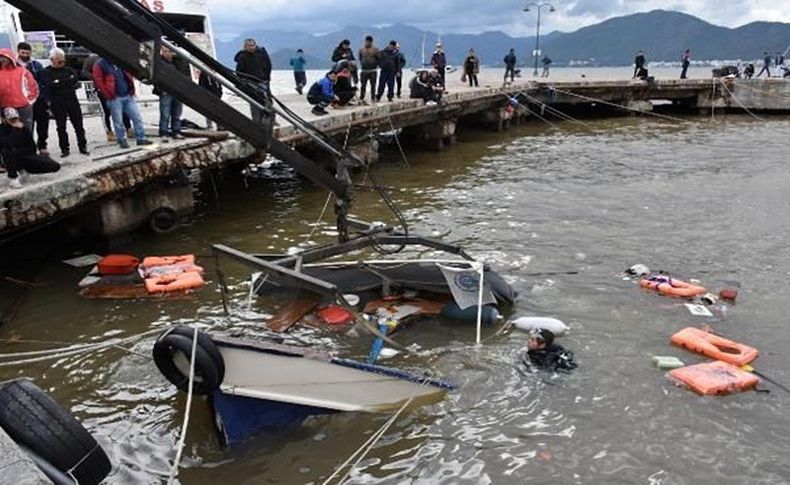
663, 35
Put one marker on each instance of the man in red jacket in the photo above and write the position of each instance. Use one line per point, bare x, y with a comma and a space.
18, 87
117, 87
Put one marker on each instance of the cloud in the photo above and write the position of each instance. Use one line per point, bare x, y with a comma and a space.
232, 17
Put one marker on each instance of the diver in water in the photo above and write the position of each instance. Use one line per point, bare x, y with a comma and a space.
542, 353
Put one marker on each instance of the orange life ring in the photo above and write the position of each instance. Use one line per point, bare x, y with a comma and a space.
715, 347
171, 283
714, 378
672, 287
152, 261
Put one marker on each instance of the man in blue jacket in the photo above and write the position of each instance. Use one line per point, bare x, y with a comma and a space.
322, 93
300, 77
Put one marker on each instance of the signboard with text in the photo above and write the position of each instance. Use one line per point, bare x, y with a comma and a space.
192, 7
41, 43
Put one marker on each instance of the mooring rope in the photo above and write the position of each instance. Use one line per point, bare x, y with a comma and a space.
397, 141
363, 450
185, 424
553, 110
44, 355
732, 95
624, 107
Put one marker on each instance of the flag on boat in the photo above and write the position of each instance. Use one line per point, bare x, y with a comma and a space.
465, 286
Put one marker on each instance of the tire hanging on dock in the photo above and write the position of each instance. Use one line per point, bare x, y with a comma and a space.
37, 422
173, 353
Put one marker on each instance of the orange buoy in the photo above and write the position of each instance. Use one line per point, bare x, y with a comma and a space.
172, 283
672, 287
153, 261
714, 378
715, 347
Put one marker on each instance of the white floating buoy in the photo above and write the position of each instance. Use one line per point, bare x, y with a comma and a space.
557, 327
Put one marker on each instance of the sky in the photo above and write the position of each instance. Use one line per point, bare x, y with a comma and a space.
233, 17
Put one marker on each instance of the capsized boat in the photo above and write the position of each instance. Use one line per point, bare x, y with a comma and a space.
255, 386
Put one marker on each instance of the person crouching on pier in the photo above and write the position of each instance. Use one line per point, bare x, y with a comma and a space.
61, 82
344, 90
18, 87
117, 87
322, 93
18, 150
426, 88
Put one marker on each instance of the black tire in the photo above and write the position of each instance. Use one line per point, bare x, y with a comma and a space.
163, 220
33, 419
209, 366
205, 343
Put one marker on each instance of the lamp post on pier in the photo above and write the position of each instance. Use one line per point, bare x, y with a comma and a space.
538, 7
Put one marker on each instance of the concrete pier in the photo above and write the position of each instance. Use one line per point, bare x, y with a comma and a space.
123, 189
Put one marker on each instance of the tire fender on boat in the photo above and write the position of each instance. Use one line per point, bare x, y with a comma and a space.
173, 353
57, 442
557, 327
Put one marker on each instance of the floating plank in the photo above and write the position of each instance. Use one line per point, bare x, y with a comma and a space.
290, 314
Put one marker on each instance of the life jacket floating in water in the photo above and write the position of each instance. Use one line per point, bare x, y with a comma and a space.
672, 287
714, 378
152, 261
715, 347
173, 283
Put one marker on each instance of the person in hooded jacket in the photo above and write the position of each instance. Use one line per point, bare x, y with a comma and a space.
389, 61
61, 83
542, 353
24, 58
18, 87
18, 150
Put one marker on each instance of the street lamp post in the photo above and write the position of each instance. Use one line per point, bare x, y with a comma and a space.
539, 7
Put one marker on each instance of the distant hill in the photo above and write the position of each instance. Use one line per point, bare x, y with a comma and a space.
662, 34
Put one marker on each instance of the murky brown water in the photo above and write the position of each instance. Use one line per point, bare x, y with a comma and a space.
702, 200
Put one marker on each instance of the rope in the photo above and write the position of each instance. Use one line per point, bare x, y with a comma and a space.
59, 353
397, 142
185, 425
363, 450
318, 221
739, 102
627, 108
555, 111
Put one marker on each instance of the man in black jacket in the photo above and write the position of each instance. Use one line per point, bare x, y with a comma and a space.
389, 61
345, 54
61, 83
510, 65
253, 62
